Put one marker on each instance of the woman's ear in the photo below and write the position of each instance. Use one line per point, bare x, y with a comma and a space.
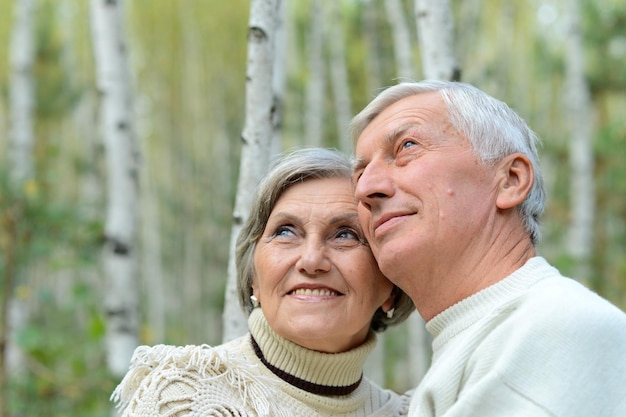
515, 179
255, 290
390, 301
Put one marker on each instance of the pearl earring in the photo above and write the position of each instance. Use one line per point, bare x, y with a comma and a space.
255, 301
390, 313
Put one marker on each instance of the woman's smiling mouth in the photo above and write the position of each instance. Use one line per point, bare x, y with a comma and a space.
316, 292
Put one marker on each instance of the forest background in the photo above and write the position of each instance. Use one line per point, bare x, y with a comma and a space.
188, 65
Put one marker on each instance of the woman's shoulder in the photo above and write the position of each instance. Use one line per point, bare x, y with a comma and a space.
167, 359
164, 374
187, 357
193, 380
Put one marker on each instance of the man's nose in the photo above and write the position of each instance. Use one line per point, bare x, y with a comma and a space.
373, 183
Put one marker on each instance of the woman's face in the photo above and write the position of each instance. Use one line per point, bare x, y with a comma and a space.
316, 279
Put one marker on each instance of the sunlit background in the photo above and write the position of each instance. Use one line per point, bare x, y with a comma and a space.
189, 71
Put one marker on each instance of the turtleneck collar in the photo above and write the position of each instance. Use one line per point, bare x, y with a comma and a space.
313, 371
452, 321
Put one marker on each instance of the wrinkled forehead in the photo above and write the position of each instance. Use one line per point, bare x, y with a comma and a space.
420, 115
420, 109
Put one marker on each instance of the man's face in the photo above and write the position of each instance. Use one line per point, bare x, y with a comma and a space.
424, 196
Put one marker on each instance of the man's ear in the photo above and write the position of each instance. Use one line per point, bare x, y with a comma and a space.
516, 176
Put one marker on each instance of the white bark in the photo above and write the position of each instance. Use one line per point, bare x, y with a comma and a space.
374, 367
435, 26
21, 165
18, 318
280, 76
371, 39
402, 45
580, 120
435, 29
3, 123
116, 123
256, 137
339, 74
316, 86
22, 92
152, 267
419, 348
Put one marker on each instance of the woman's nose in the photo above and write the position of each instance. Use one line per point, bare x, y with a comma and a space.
313, 257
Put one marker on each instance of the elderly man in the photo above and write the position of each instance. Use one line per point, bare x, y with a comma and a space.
450, 194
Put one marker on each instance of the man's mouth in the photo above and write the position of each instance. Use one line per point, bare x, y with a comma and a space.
387, 220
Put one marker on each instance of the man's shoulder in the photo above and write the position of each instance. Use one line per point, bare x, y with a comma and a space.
558, 314
558, 298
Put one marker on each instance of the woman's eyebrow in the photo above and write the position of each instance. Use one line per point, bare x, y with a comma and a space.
351, 216
284, 216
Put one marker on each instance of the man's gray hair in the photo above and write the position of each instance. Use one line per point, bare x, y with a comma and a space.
492, 128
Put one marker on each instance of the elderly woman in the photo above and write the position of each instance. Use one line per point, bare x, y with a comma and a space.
315, 297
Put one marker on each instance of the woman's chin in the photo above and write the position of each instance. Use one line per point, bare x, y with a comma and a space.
321, 335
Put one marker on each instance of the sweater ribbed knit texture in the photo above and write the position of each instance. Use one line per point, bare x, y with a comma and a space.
231, 380
536, 344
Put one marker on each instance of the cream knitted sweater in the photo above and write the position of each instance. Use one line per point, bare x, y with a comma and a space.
259, 374
533, 345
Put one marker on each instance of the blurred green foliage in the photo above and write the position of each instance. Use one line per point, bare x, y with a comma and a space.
63, 345
62, 340
189, 63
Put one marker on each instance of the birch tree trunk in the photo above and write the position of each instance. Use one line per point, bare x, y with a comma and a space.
22, 92
10, 355
401, 39
404, 68
339, 73
370, 35
256, 139
435, 30
279, 76
152, 261
21, 169
316, 85
435, 27
117, 130
580, 120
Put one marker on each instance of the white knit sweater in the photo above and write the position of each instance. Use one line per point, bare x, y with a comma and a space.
259, 374
533, 345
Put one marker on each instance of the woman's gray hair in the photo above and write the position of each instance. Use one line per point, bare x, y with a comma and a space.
492, 128
291, 168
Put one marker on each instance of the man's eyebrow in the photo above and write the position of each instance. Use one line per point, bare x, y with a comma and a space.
359, 163
399, 131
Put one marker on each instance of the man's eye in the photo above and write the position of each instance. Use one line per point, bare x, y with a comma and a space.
408, 143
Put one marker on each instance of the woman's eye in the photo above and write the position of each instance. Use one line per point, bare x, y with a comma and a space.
347, 234
347, 237
283, 231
